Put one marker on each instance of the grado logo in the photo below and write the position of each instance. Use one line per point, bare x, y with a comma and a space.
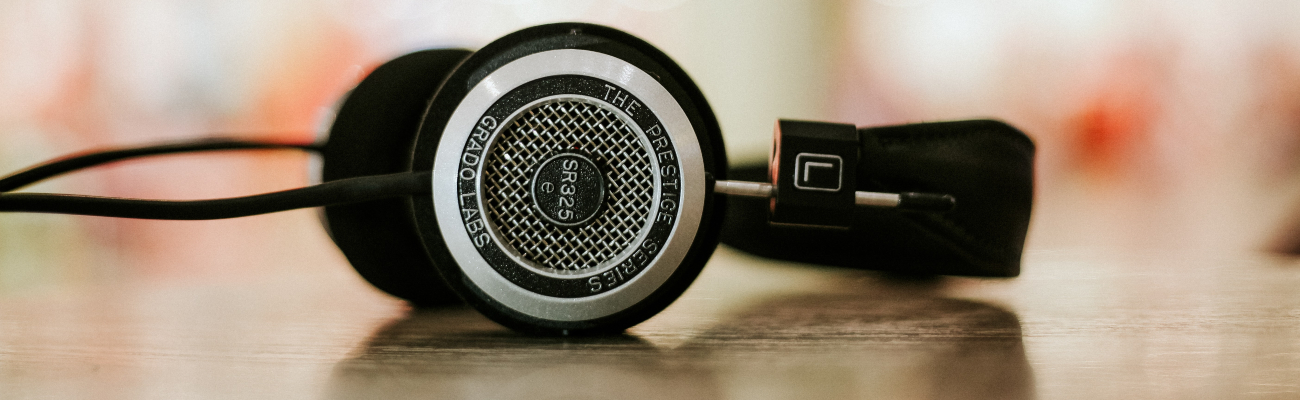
568, 189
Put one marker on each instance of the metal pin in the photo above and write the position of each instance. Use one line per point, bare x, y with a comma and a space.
874, 199
935, 202
745, 189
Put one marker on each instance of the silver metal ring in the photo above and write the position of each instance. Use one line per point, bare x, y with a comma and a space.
465, 119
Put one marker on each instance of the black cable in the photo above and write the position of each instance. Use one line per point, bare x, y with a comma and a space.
341, 191
72, 163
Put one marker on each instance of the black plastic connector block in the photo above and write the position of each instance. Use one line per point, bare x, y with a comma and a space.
814, 171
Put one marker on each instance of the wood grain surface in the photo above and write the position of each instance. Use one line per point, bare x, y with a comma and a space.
1077, 324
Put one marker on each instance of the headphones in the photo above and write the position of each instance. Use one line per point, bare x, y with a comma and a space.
571, 179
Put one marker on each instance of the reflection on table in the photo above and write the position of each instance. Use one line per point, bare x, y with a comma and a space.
860, 342
1075, 325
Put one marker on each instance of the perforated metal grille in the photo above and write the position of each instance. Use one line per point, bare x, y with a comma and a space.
556, 125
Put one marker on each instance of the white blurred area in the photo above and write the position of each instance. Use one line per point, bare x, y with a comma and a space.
1159, 123
1171, 124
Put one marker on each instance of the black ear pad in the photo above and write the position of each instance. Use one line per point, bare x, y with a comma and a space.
986, 165
373, 134
565, 92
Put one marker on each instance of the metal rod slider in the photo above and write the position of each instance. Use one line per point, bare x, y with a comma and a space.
934, 202
746, 189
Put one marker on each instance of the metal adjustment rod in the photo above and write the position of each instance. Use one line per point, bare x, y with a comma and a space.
814, 167
911, 201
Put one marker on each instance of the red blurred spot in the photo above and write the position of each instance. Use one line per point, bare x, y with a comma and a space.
1117, 118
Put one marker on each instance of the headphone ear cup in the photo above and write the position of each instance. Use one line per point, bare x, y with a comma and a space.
373, 134
572, 168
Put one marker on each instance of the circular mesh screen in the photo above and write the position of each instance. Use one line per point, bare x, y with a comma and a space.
556, 125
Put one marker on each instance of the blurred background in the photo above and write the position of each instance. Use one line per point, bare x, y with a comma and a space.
1159, 123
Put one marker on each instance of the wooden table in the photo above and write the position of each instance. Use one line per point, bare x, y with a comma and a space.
1077, 324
